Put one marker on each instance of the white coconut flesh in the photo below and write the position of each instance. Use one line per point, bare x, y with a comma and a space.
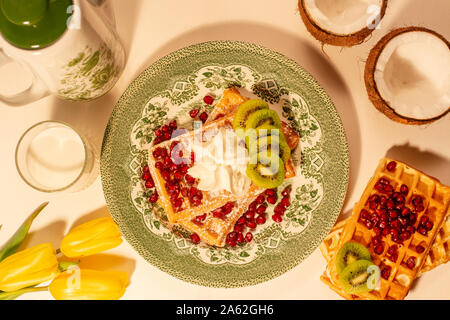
412, 75
343, 17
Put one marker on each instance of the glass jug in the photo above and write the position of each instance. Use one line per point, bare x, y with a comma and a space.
70, 47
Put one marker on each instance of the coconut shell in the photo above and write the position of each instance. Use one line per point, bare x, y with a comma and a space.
325, 37
371, 86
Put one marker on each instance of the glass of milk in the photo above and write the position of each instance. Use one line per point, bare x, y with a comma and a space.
52, 157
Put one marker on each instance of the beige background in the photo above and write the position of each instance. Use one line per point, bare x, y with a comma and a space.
150, 29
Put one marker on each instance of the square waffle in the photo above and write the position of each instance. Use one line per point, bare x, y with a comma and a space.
209, 202
434, 242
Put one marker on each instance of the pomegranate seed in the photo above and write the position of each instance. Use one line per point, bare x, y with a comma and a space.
394, 232
279, 209
173, 124
231, 243
159, 165
261, 209
404, 221
277, 218
218, 213
404, 189
204, 117
429, 225
165, 175
149, 184
285, 202
405, 235
200, 219
232, 235
166, 136
208, 100
165, 128
269, 192
261, 219
412, 218
393, 213
417, 200
238, 228
388, 188
383, 201
383, 181
395, 224
178, 175
252, 206
157, 132
154, 197
249, 237
241, 220
386, 272
392, 250
286, 192
422, 231
260, 199
394, 257
364, 214
410, 229
195, 238
379, 187
373, 205
194, 113
369, 224
251, 224
390, 204
374, 198
272, 199
420, 249
405, 212
376, 240
391, 166
189, 179
382, 225
423, 220
249, 215
411, 262
179, 202
379, 249
420, 208
240, 237
400, 199
145, 176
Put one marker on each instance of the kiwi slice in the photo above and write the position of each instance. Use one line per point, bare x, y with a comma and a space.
349, 253
353, 279
262, 117
245, 110
274, 142
266, 170
263, 131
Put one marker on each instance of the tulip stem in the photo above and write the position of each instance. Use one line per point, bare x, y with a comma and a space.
14, 294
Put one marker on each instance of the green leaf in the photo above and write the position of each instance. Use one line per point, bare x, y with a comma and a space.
16, 240
14, 294
156, 224
313, 193
208, 74
244, 254
295, 103
139, 135
66, 265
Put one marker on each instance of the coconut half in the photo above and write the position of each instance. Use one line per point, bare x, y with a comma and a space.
342, 22
407, 75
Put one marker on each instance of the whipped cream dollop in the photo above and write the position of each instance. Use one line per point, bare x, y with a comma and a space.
220, 164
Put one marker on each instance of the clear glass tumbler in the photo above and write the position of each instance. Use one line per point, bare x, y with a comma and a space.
51, 156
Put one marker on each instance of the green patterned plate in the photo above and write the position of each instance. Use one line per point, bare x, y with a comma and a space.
176, 84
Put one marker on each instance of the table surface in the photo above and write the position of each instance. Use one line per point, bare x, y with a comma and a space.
152, 29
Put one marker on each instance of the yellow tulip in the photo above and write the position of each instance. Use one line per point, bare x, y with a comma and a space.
91, 237
28, 268
86, 284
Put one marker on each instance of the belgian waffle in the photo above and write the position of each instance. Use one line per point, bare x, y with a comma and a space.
436, 199
209, 202
439, 252
213, 230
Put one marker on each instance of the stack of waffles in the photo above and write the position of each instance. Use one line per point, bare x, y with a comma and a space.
211, 216
425, 248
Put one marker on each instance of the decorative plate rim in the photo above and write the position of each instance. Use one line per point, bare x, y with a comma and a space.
107, 169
